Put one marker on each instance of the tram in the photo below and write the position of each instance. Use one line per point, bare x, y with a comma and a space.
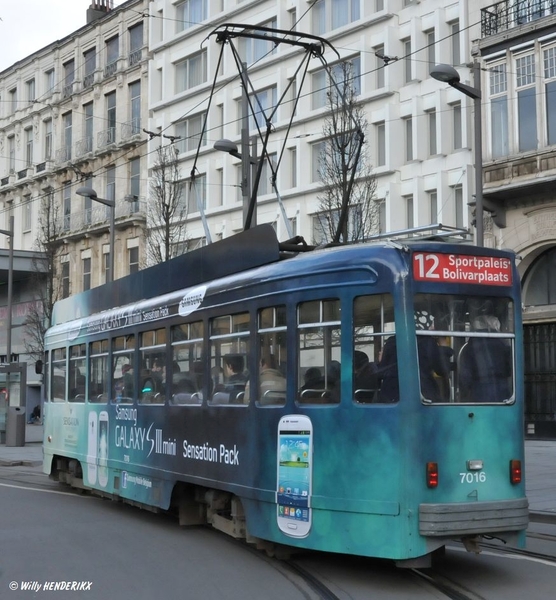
363, 399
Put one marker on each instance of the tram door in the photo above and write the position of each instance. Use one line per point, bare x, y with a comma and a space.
540, 379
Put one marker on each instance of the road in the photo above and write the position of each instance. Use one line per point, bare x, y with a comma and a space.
52, 534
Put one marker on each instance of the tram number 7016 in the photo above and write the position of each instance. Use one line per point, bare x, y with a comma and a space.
473, 477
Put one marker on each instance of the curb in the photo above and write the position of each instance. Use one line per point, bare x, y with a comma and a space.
20, 463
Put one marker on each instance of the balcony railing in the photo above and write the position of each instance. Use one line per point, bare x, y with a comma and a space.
135, 57
99, 215
83, 146
106, 137
110, 69
22, 174
4, 181
67, 90
88, 80
512, 13
131, 128
63, 154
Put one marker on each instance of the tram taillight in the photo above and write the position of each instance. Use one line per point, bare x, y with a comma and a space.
515, 471
432, 474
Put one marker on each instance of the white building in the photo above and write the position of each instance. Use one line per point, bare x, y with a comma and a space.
420, 131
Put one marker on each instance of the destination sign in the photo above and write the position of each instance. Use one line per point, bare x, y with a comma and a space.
462, 268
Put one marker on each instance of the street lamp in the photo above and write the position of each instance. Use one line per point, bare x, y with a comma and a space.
10, 234
447, 74
88, 192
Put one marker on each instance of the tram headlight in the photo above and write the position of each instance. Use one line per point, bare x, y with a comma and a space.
515, 471
432, 474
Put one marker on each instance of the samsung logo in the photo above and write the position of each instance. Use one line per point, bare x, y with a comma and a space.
192, 300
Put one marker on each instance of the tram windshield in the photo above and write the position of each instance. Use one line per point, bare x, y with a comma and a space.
465, 347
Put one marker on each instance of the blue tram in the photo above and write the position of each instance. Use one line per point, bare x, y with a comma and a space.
364, 399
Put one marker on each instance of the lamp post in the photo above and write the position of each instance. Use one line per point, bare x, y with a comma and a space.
88, 192
10, 234
447, 74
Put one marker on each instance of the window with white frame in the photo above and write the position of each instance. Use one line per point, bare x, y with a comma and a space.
263, 104
265, 182
68, 135
549, 66
135, 107
189, 131
407, 62
433, 204
408, 127
27, 212
431, 117
11, 152
380, 136
133, 260
86, 262
344, 74
431, 48
29, 147
455, 37
49, 80
293, 167
498, 91
30, 86
191, 72
317, 150
252, 49
410, 220
456, 126
13, 99
48, 139
135, 180
380, 66
194, 195
458, 206
328, 15
526, 102
190, 13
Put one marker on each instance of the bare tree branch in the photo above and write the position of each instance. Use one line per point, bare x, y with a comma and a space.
167, 209
46, 276
349, 185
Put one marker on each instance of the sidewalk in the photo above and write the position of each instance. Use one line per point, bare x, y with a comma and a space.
540, 467
29, 455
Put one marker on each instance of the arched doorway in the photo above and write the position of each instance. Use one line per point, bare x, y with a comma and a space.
539, 299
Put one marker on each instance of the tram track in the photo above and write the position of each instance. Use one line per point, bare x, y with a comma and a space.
449, 588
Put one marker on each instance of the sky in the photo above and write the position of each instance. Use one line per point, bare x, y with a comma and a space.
29, 25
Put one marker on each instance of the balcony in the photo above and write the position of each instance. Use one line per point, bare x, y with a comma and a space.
21, 174
88, 80
131, 128
106, 137
110, 69
63, 154
97, 217
67, 90
4, 181
511, 13
83, 146
135, 57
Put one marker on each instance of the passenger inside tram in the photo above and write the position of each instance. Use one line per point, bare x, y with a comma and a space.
485, 364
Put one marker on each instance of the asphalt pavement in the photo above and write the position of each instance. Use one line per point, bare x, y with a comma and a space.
540, 468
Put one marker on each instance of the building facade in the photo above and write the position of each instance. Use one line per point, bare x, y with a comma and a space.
518, 55
72, 115
419, 133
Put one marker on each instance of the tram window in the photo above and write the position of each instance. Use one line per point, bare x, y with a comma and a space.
77, 372
152, 359
319, 338
99, 373
229, 358
123, 372
373, 325
187, 376
58, 375
475, 336
272, 355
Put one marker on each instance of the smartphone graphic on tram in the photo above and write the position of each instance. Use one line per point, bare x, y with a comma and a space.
92, 447
103, 448
295, 473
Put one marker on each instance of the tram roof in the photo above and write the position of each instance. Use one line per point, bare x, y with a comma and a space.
237, 254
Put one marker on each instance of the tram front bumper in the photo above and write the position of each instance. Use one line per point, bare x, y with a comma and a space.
473, 518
